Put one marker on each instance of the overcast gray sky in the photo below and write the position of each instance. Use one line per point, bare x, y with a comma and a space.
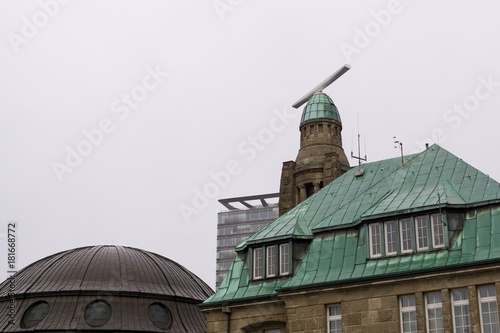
122, 122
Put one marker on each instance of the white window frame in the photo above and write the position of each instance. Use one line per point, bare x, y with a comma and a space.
258, 258
402, 239
421, 233
488, 299
429, 307
437, 223
407, 309
336, 317
271, 260
394, 232
284, 262
462, 303
378, 237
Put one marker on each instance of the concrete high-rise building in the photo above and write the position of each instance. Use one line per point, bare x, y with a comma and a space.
245, 216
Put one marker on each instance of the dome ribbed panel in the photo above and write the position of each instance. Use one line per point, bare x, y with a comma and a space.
320, 106
109, 268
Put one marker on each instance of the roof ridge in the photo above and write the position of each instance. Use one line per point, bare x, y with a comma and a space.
412, 157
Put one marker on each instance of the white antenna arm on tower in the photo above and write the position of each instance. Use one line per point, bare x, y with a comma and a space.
329, 80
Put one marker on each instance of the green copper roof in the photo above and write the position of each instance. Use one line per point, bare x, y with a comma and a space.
237, 285
285, 227
334, 219
384, 188
342, 254
320, 105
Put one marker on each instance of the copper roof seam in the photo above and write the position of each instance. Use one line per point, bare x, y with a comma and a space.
72, 256
95, 250
122, 266
53, 261
206, 289
162, 272
183, 285
181, 317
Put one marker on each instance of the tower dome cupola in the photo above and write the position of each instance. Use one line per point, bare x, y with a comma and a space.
320, 106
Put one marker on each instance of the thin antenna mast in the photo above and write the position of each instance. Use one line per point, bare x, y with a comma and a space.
359, 158
439, 204
396, 142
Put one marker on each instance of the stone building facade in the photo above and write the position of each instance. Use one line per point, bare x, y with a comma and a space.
386, 247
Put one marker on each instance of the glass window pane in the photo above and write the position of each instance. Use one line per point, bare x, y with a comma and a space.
437, 231
405, 235
408, 314
488, 309
375, 240
334, 318
434, 312
422, 233
487, 291
284, 259
257, 263
271, 260
391, 237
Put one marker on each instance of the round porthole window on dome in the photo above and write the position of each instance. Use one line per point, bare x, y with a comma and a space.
97, 313
160, 315
35, 314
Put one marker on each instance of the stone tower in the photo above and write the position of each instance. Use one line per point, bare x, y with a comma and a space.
321, 157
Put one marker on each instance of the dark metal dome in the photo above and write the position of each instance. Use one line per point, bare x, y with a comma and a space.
100, 288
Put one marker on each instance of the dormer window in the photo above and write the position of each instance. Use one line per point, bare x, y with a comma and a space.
257, 263
406, 235
271, 261
391, 238
375, 240
284, 259
422, 233
437, 231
